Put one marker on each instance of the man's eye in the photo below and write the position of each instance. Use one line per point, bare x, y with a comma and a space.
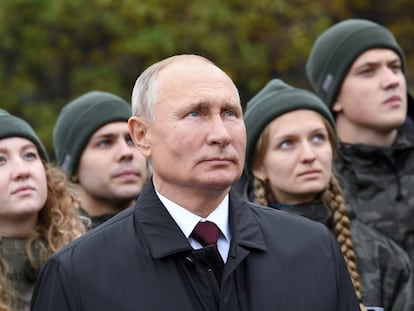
130, 141
366, 71
194, 114
104, 143
396, 68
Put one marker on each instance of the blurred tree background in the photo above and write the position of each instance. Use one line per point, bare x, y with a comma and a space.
52, 51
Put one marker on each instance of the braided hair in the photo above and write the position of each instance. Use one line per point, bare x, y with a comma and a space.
332, 197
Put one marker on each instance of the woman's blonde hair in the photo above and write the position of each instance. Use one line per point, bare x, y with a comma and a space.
332, 197
58, 224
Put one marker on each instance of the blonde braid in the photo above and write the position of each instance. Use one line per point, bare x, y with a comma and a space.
333, 197
260, 193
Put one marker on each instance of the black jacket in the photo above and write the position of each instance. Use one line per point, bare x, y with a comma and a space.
141, 260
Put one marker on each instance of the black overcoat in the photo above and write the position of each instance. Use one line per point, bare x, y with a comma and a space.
141, 260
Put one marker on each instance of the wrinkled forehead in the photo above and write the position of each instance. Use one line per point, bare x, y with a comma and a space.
190, 69
194, 77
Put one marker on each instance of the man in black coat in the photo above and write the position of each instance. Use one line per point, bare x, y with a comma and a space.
187, 120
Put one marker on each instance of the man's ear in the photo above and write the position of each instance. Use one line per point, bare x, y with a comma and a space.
337, 107
138, 129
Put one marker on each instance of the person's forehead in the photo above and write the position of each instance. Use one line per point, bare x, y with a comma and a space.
376, 55
290, 118
193, 75
14, 141
111, 128
189, 68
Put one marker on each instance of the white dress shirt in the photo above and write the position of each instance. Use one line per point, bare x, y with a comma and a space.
187, 221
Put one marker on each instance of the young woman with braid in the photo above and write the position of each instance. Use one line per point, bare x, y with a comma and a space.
38, 212
291, 145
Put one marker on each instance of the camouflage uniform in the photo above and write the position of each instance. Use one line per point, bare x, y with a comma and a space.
379, 187
91, 222
20, 272
384, 268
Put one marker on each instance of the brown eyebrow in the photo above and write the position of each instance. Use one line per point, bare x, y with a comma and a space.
105, 135
231, 105
202, 105
377, 63
23, 148
110, 135
199, 105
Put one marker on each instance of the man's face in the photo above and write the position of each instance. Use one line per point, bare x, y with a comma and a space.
111, 168
197, 139
374, 93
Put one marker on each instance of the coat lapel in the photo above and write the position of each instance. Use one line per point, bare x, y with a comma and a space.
163, 235
246, 234
165, 238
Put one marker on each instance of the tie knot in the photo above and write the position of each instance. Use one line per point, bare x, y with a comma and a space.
206, 233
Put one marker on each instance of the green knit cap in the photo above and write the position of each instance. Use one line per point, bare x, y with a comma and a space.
79, 120
336, 49
275, 99
12, 126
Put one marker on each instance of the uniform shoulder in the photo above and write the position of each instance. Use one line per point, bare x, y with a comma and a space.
286, 221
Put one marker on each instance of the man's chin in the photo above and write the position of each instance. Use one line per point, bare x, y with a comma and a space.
127, 194
220, 183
